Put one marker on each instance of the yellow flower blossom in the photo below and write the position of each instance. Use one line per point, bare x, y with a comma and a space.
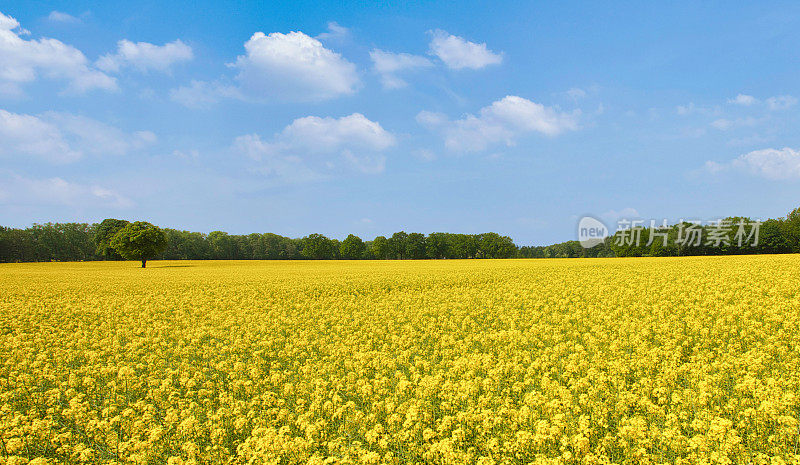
690, 360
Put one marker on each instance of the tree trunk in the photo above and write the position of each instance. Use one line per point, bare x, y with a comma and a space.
143, 262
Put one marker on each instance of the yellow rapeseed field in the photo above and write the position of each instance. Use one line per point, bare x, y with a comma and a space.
635, 361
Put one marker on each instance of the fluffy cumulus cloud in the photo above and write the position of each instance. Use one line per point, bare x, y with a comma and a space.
312, 145
388, 65
23, 61
458, 53
144, 56
313, 134
293, 67
63, 137
774, 164
20, 191
502, 122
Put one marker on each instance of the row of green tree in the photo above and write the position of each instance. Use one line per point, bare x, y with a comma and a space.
729, 236
142, 241
81, 241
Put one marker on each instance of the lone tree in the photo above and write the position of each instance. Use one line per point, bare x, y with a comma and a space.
139, 240
104, 233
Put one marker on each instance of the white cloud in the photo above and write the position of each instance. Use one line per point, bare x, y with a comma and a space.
388, 65
691, 109
293, 67
282, 67
144, 56
774, 164
501, 122
61, 17
458, 53
202, 94
335, 32
744, 100
64, 138
31, 136
771, 163
714, 167
272, 162
723, 124
367, 164
20, 191
22, 61
313, 134
308, 144
576, 93
431, 119
781, 102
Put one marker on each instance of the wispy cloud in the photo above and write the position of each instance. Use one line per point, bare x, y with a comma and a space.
61, 17
389, 65
144, 56
63, 137
459, 53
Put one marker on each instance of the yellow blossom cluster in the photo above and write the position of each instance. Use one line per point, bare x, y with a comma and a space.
583, 361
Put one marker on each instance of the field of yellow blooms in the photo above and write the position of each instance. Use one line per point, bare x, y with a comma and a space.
570, 361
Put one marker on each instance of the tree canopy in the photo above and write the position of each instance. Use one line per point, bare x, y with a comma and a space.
104, 232
352, 248
139, 240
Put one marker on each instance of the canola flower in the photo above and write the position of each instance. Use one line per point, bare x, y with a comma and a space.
691, 360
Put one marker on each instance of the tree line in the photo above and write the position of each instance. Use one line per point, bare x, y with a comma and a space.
82, 241
728, 236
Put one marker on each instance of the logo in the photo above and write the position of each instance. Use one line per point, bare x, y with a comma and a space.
591, 232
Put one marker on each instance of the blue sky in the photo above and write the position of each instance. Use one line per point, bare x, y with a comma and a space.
304, 117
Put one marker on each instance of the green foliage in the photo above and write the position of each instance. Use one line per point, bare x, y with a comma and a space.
222, 245
493, 245
380, 248
398, 244
103, 234
352, 248
139, 240
415, 246
318, 247
436, 245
